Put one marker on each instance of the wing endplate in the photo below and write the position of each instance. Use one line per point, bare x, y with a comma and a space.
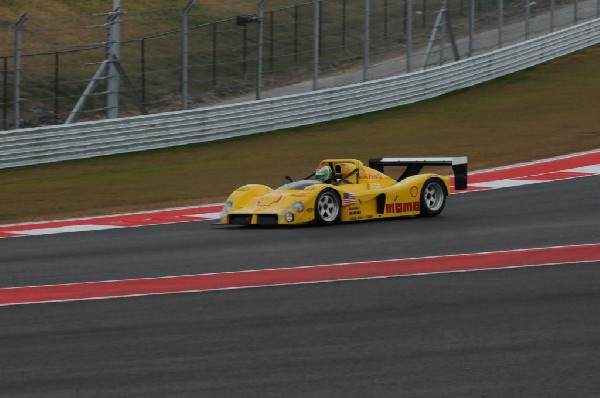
414, 166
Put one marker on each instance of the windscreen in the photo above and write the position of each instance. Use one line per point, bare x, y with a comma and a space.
298, 185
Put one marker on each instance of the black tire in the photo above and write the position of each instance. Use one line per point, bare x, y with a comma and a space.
327, 207
433, 197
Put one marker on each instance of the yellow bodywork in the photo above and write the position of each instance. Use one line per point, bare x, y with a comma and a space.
365, 195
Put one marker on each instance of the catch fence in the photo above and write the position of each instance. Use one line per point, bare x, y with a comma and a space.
305, 46
107, 137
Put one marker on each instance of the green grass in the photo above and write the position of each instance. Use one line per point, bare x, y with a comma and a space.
541, 112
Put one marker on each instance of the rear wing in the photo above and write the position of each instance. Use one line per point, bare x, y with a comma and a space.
414, 166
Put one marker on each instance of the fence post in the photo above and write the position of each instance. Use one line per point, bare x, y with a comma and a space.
472, 26
143, 68
56, 85
5, 95
295, 34
17, 93
404, 9
385, 18
259, 47
320, 27
366, 40
316, 42
527, 18
444, 22
244, 20
344, 25
575, 11
214, 53
500, 23
113, 55
184, 54
409, 28
245, 50
552, 7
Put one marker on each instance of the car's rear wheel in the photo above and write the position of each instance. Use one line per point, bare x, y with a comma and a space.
327, 207
433, 197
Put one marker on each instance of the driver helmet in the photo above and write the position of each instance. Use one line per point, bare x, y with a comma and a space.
323, 173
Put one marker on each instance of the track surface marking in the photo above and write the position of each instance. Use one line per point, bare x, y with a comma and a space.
291, 276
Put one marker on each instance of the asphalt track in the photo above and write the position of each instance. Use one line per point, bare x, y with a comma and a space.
517, 332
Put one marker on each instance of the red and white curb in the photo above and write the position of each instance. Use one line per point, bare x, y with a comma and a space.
302, 275
158, 217
555, 169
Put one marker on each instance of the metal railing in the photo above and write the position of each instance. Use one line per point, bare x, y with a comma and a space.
139, 133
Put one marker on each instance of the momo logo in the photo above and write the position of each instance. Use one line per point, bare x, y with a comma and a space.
397, 208
269, 200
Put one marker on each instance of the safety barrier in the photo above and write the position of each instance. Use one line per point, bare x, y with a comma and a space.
140, 133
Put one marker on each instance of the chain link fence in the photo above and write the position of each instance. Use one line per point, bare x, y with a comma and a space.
177, 59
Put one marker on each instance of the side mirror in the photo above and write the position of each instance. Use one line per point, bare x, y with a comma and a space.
289, 178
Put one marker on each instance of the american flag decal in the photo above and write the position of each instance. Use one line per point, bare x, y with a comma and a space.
348, 199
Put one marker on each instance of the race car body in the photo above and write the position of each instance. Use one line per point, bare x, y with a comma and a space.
354, 192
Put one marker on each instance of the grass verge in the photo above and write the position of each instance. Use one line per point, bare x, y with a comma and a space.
541, 112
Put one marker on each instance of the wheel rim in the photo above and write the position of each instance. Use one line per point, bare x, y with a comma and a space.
328, 207
434, 196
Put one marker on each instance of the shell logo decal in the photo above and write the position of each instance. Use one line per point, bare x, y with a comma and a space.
269, 200
414, 191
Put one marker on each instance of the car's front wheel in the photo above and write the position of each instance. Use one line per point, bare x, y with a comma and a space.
327, 207
433, 197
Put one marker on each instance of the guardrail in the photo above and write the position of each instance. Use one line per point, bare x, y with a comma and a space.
140, 133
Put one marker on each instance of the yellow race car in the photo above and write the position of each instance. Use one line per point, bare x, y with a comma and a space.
347, 190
